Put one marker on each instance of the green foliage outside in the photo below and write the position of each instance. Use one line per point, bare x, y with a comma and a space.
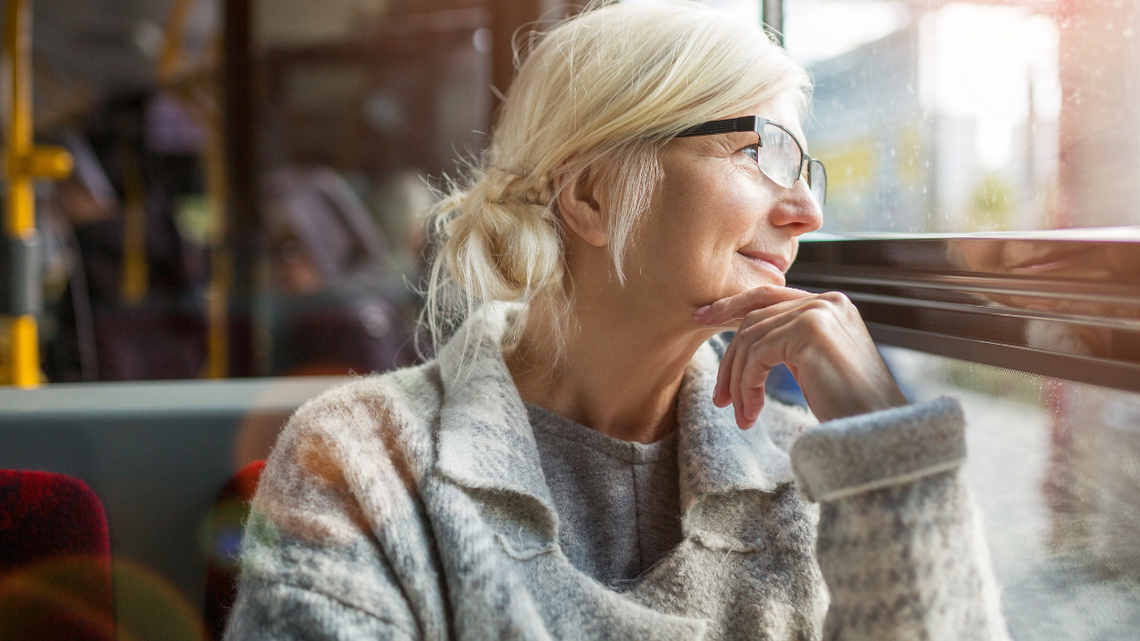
991, 205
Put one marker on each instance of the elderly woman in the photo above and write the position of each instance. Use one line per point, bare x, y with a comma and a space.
568, 466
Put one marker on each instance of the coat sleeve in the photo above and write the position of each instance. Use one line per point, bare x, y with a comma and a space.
313, 564
900, 543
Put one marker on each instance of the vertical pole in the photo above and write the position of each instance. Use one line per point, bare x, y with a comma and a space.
21, 223
507, 16
235, 262
772, 14
221, 265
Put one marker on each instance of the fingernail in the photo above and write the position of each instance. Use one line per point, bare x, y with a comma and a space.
702, 311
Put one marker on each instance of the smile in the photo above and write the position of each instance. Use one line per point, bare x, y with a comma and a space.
771, 264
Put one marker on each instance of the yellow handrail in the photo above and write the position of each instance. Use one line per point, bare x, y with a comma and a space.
136, 271
24, 163
196, 83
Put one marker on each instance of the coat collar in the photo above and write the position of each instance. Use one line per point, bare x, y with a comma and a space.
726, 472
486, 444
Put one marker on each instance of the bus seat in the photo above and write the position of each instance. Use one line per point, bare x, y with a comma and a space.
226, 524
55, 559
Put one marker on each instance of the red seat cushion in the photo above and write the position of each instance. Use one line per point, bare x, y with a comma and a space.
226, 523
55, 559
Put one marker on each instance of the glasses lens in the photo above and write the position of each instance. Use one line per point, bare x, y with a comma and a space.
780, 155
817, 178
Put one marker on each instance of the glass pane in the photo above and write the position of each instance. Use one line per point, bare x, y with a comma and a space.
972, 116
780, 156
1055, 469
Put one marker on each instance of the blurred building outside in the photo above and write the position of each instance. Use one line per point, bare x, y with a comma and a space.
944, 120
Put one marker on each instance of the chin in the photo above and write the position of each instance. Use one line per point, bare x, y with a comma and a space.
752, 280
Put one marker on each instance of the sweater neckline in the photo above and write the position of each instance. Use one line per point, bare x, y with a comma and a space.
628, 451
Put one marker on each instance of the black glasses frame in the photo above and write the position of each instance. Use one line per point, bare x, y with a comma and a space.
755, 124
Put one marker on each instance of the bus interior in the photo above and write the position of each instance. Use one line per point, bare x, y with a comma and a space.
215, 210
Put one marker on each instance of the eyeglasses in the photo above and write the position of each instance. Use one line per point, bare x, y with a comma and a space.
780, 156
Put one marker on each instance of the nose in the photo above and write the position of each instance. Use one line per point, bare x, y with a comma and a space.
797, 210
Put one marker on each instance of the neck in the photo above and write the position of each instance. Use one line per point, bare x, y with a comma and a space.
618, 377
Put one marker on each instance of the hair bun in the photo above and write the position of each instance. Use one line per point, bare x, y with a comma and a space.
500, 238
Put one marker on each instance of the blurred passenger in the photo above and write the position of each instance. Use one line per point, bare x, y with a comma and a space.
68, 324
402, 201
155, 328
338, 304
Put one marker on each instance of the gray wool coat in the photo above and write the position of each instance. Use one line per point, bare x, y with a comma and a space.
412, 505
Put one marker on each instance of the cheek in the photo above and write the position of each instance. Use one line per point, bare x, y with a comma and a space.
697, 228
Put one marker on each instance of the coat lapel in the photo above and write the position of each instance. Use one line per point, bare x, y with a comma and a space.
726, 473
485, 439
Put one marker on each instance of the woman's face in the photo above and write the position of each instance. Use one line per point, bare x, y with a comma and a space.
717, 226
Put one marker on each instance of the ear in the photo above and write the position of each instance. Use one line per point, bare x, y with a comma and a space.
578, 202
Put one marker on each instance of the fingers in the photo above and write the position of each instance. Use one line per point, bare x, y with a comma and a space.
765, 346
817, 335
762, 321
749, 377
756, 325
737, 306
762, 357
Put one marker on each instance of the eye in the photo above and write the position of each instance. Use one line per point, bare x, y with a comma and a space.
752, 151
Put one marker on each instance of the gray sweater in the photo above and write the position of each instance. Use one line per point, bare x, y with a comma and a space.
618, 502
413, 506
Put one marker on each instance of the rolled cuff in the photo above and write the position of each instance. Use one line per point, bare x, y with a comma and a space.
861, 453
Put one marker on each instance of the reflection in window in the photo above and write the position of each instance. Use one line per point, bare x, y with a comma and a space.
1055, 469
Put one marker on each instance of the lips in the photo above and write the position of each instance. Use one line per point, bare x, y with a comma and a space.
776, 260
772, 263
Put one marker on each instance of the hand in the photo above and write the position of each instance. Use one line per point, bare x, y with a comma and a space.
820, 337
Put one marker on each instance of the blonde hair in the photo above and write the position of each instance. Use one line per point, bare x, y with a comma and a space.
603, 91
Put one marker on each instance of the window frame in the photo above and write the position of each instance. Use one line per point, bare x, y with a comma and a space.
917, 293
